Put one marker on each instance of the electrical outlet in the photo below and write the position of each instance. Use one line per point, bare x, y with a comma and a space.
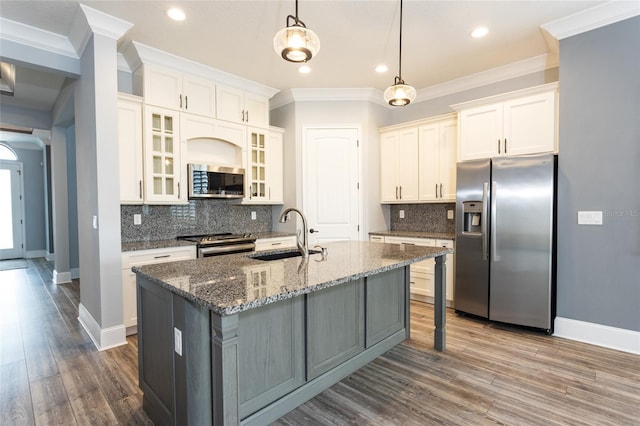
137, 219
253, 216
401, 214
449, 214
177, 338
590, 218
95, 222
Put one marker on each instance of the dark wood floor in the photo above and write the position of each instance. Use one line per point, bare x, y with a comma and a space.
50, 372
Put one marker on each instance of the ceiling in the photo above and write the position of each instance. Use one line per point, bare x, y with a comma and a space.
356, 36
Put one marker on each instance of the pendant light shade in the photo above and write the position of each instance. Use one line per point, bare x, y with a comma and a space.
296, 43
399, 94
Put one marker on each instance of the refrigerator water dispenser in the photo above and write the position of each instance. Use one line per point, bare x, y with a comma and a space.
472, 217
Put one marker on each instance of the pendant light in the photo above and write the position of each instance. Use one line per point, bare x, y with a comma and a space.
296, 43
399, 94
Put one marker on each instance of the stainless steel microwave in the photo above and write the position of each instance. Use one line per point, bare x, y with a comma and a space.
209, 181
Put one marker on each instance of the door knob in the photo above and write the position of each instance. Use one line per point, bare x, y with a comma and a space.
311, 231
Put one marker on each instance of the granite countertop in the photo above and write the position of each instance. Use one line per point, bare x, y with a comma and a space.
234, 283
148, 245
416, 234
272, 234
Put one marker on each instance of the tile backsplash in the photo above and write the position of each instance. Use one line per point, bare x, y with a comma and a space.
197, 217
423, 218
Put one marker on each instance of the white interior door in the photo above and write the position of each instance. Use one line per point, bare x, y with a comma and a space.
331, 199
11, 223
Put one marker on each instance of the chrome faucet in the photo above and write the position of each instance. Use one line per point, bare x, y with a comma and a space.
303, 245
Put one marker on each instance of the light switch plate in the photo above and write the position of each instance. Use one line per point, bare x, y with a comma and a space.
401, 214
449, 214
590, 218
253, 216
177, 338
137, 219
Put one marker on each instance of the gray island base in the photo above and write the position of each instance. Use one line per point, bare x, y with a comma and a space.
234, 340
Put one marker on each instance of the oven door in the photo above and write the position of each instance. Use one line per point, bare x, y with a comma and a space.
218, 250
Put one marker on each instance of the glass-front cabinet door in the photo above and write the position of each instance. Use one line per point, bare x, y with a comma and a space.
258, 189
162, 156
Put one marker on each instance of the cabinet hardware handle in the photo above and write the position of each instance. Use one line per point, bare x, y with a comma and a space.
180, 101
436, 190
396, 192
242, 115
311, 231
498, 146
162, 256
276, 244
140, 186
401, 192
440, 190
178, 190
186, 102
247, 116
505, 145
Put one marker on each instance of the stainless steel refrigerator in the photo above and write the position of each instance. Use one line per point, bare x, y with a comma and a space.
505, 239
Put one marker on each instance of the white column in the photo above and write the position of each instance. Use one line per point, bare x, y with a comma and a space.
60, 205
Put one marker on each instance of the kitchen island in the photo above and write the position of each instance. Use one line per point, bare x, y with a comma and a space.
237, 340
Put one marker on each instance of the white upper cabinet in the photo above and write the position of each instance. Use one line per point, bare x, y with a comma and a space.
399, 165
163, 150
522, 122
418, 161
168, 88
130, 149
242, 107
437, 171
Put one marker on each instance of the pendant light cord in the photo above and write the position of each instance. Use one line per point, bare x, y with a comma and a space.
399, 50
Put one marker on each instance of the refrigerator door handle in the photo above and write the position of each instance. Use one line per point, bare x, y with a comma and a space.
483, 222
494, 245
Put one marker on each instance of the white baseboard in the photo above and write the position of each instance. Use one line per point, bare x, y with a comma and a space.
597, 334
61, 277
102, 338
32, 254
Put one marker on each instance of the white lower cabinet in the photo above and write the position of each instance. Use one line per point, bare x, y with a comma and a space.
288, 241
140, 258
423, 273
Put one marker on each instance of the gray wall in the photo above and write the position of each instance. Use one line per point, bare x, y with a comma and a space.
599, 169
34, 198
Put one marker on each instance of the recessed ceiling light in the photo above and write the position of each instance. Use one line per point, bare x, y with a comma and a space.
305, 69
382, 68
176, 14
480, 32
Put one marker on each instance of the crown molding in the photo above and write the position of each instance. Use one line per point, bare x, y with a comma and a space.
491, 76
26, 44
138, 54
591, 19
319, 95
494, 75
88, 21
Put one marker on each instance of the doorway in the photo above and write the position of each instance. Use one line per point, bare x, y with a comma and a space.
331, 175
11, 210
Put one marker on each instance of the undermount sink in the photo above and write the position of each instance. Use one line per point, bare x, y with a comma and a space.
281, 255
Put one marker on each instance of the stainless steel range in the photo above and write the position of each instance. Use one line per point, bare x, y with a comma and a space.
219, 244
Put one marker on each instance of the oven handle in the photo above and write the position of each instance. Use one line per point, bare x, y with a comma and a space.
234, 248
